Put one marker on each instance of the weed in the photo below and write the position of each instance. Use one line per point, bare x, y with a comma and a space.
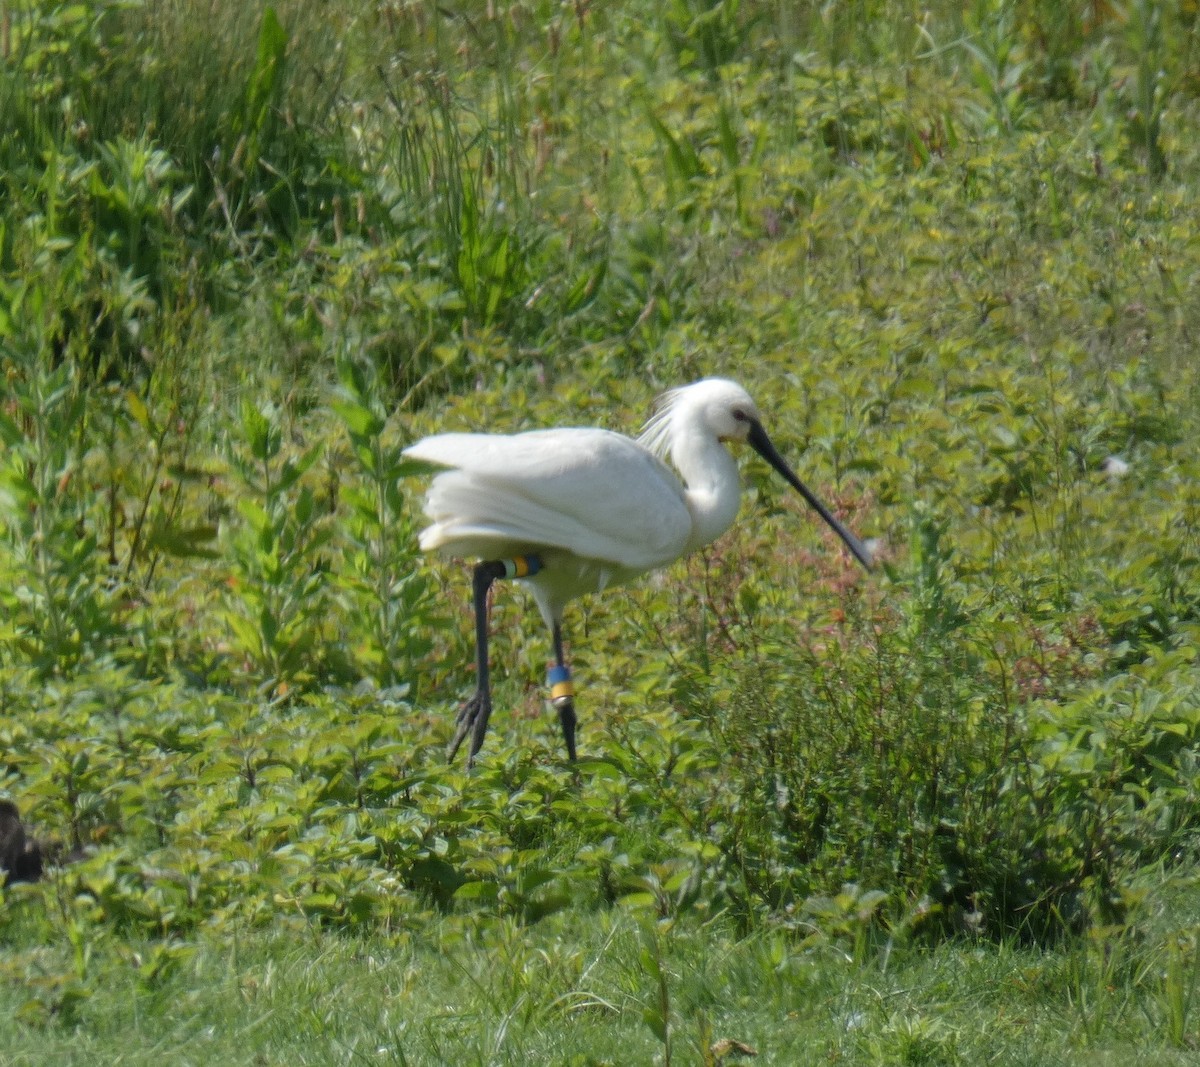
55, 596
380, 579
277, 552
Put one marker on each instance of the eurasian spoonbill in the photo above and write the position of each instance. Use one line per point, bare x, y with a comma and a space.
570, 511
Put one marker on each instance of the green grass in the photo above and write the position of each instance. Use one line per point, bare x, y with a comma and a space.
578, 989
943, 814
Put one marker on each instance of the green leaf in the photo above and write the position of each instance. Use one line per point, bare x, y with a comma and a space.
294, 469
255, 514
137, 408
650, 962
585, 288
653, 1018
260, 429
478, 892
683, 162
360, 420
184, 541
10, 432
266, 78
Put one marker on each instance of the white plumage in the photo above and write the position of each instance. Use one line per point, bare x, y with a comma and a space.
592, 506
565, 494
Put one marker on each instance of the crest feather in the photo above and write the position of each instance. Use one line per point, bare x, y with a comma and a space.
656, 434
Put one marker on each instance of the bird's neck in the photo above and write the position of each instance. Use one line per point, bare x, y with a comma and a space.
712, 493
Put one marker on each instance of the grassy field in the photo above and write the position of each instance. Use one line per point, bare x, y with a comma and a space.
586, 988
944, 813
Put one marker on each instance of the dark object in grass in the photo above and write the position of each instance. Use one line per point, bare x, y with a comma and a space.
20, 856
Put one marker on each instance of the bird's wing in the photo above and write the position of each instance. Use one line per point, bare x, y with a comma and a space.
592, 492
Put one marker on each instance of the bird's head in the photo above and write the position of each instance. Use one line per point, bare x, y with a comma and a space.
727, 410
724, 409
719, 406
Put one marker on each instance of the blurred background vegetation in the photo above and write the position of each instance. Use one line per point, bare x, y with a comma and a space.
247, 252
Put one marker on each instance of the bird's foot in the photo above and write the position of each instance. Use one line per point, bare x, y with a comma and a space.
472, 719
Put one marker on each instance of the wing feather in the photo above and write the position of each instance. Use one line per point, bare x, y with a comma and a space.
591, 492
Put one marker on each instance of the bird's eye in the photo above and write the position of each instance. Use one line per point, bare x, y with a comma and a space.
739, 415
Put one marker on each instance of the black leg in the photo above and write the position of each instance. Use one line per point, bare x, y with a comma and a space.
473, 715
562, 693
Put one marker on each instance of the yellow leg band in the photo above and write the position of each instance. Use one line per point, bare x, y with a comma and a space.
562, 690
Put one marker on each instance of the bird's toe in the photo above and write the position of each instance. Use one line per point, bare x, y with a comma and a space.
472, 719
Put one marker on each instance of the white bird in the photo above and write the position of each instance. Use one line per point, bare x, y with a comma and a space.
571, 511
